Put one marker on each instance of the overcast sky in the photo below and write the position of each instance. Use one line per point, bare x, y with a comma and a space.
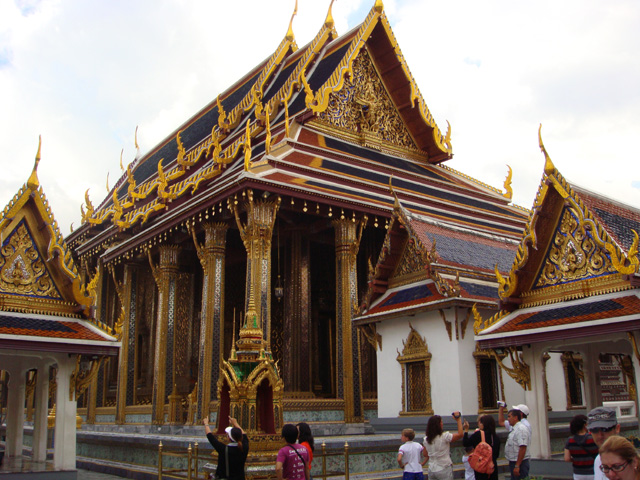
84, 73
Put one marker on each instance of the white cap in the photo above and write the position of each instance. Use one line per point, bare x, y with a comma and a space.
228, 430
522, 407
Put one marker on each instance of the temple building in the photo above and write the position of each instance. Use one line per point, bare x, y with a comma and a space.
301, 250
254, 228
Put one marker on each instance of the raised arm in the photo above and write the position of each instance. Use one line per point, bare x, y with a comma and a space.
234, 423
459, 434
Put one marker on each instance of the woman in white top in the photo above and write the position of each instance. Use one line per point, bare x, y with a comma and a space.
437, 443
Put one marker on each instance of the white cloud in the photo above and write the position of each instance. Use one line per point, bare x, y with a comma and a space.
84, 74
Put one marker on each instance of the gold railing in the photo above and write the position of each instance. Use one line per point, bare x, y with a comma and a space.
192, 457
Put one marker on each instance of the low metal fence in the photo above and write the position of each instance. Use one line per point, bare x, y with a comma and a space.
260, 467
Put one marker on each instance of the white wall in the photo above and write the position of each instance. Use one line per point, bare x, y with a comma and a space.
454, 384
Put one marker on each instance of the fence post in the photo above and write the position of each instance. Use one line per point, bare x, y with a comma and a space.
189, 462
346, 461
324, 460
160, 460
196, 459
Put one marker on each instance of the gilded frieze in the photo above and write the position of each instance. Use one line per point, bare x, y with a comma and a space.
574, 254
363, 106
22, 270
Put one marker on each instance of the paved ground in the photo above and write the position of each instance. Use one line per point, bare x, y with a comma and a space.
89, 475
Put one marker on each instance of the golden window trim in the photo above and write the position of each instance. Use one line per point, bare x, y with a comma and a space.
575, 360
415, 351
479, 355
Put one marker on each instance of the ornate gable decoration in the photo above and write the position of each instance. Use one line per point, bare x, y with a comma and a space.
574, 254
22, 269
412, 260
415, 348
363, 107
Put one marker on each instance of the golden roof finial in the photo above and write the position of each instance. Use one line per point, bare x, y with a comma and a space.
267, 142
379, 7
549, 167
121, 152
33, 181
108, 189
328, 22
290, 36
507, 184
135, 139
247, 148
286, 117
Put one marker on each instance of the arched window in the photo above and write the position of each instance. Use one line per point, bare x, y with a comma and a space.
490, 385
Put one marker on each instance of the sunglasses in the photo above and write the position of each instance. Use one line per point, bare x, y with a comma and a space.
618, 467
601, 430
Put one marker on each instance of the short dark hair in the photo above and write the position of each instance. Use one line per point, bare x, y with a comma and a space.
516, 413
577, 423
290, 433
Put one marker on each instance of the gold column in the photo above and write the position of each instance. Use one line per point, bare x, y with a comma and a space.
297, 319
256, 235
92, 391
166, 276
126, 359
349, 384
212, 259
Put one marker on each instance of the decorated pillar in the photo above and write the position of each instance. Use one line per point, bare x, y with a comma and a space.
212, 259
256, 235
297, 320
348, 381
165, 276
126, 333
250, 387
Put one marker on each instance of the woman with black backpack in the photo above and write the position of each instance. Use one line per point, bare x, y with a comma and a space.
486, 429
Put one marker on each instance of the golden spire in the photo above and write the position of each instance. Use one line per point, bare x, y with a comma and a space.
247, 148
290, 36
379, 7
507, 184
33, 182
328, 22
549, 167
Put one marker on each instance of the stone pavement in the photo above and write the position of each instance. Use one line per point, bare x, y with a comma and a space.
89, 475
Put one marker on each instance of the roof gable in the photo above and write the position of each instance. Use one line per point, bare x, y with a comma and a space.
37, 272
291, 83
566, 251
571, 276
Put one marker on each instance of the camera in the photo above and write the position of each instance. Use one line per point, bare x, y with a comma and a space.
453, 414
501, 404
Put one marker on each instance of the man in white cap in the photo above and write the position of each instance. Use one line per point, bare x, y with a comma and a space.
505, 423
516, 450
602, 423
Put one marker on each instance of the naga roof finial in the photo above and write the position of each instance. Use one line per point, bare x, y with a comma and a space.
549, 167
121, 152
33, 181
328, 22
135, 139
507, 184
290, 36
108, 189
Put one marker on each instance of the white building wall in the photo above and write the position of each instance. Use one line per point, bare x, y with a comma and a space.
453, 376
